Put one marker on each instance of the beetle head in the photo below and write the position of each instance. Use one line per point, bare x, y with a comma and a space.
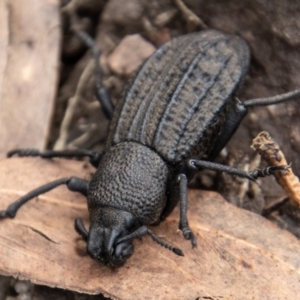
108, 227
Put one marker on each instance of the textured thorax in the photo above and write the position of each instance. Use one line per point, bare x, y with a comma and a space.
133, 178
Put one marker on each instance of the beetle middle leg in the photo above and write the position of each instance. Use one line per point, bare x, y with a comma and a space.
194, 164
95, 157
74, 184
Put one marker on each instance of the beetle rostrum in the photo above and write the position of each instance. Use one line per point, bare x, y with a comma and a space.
172, 121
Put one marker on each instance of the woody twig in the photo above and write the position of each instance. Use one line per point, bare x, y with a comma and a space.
271, 153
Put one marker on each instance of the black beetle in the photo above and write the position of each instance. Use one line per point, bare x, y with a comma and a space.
173, 120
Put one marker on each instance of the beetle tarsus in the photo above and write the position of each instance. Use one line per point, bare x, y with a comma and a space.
268, 171
189, 235
23, 152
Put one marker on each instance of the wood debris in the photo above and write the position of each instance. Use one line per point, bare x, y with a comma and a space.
271, 153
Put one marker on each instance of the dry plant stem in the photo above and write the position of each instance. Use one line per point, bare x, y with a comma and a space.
84, 138
271, 153
192, 19
73, 104
71, 10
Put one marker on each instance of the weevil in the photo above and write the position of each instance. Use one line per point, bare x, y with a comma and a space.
172, 121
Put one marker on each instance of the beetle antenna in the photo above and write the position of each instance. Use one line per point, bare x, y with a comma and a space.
143, 231
164, 244
272, 100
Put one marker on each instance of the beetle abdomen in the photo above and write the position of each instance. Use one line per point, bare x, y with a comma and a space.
179, 95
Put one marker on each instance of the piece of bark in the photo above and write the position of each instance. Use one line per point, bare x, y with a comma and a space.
29, 50
240, 255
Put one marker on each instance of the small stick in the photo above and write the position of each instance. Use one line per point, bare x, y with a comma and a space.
190, 17
271, 153
73, 104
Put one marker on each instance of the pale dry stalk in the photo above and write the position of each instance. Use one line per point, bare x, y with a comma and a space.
192, 19
271, 153
73, 104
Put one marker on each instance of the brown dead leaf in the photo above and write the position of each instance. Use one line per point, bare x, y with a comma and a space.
29, 50
240, 255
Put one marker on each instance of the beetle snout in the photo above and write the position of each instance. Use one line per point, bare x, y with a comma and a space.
123, 250
116, 254
102, 245
119, 255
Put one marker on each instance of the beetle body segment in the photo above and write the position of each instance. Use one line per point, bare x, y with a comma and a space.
179, 99
133, 178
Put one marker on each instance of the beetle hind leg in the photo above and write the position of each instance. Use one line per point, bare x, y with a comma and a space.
101, 93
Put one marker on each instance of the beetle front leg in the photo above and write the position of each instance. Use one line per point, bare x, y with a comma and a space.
81, 230
183, 222
74, 184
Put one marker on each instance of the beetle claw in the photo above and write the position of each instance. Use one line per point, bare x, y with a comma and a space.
189, 235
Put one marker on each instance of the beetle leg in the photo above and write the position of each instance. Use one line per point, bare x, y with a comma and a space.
101, 92
94, 157
183, 222
273, 100
74, 184
194, 164
79, 227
